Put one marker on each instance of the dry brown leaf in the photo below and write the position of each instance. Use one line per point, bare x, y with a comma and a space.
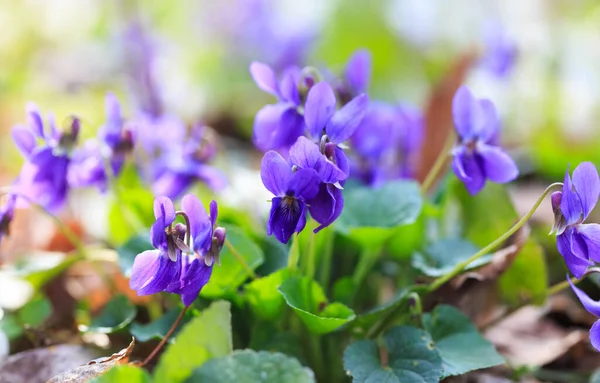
39, 365
438, 113
94, 368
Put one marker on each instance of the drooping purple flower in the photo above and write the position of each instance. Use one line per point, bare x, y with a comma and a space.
278, 125
356, 77
90, 163
326, 206
577, 242
500, 51
174, 266
180, 166
7, 214
593, 308
386, 143
43, 177
477, 157
292, 190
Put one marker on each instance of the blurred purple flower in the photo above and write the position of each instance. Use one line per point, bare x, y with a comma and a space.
593, 308
7, 214
578, 243
386, 143
292, 189
43, 177
278, 125
90, 163
476, 157
174, 266
356, 77
500, 51
182, 165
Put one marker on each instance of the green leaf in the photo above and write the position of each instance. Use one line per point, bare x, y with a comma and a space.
116, 315
365, 321
130, 249
370, 215
125, 373
40, 269
35, 312
595, 377
10, 326
249, 366
204, 337
306, 297
263, 296
441, 256
265, 339
460, 345
159, 328
411, 357
526, 279
231, 274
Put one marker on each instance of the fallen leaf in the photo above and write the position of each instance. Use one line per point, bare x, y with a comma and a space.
438, 113
94, 368
39, 365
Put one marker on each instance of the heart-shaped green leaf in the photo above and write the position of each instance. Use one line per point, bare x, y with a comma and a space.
159, 328
441, 256
408, 355
116, 315
306, 297
263, 296
460, 345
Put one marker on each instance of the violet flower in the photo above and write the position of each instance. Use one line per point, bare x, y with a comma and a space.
387, 142
180, 166
175, 266
357, 76
578, 243
592, 307
326, 206
292, 189
477, 157
7, 214
500, 51
278, 125
43, 177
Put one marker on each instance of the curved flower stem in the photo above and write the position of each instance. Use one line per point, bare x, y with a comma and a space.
294, 253
240, 259
187, 227
367, 259
165, 339
497, 242
439, 163
326, 258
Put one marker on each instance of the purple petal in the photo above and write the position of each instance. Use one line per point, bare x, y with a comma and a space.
164, 211
590, 305
267, 124
167, 272
289, 86
144, 268
291, 126
590, 233
341, 160
358, 71
490, 126
171, 183
462, 106
326, 206
468, 169
287, 216
275, 173
587, 186
303, 184
576, 265
195, 278
570, 204
497, 165
211, 176
214, 212
201, 227
345, 121
319, 107
264, 77
306, 155
24, 139
34, 120
595, 335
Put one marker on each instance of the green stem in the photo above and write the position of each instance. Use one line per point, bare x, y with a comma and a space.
294, 253
439, 163
487, 249
326, 258
368, 258
315, 351
166, 338
311, 256
240, 259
